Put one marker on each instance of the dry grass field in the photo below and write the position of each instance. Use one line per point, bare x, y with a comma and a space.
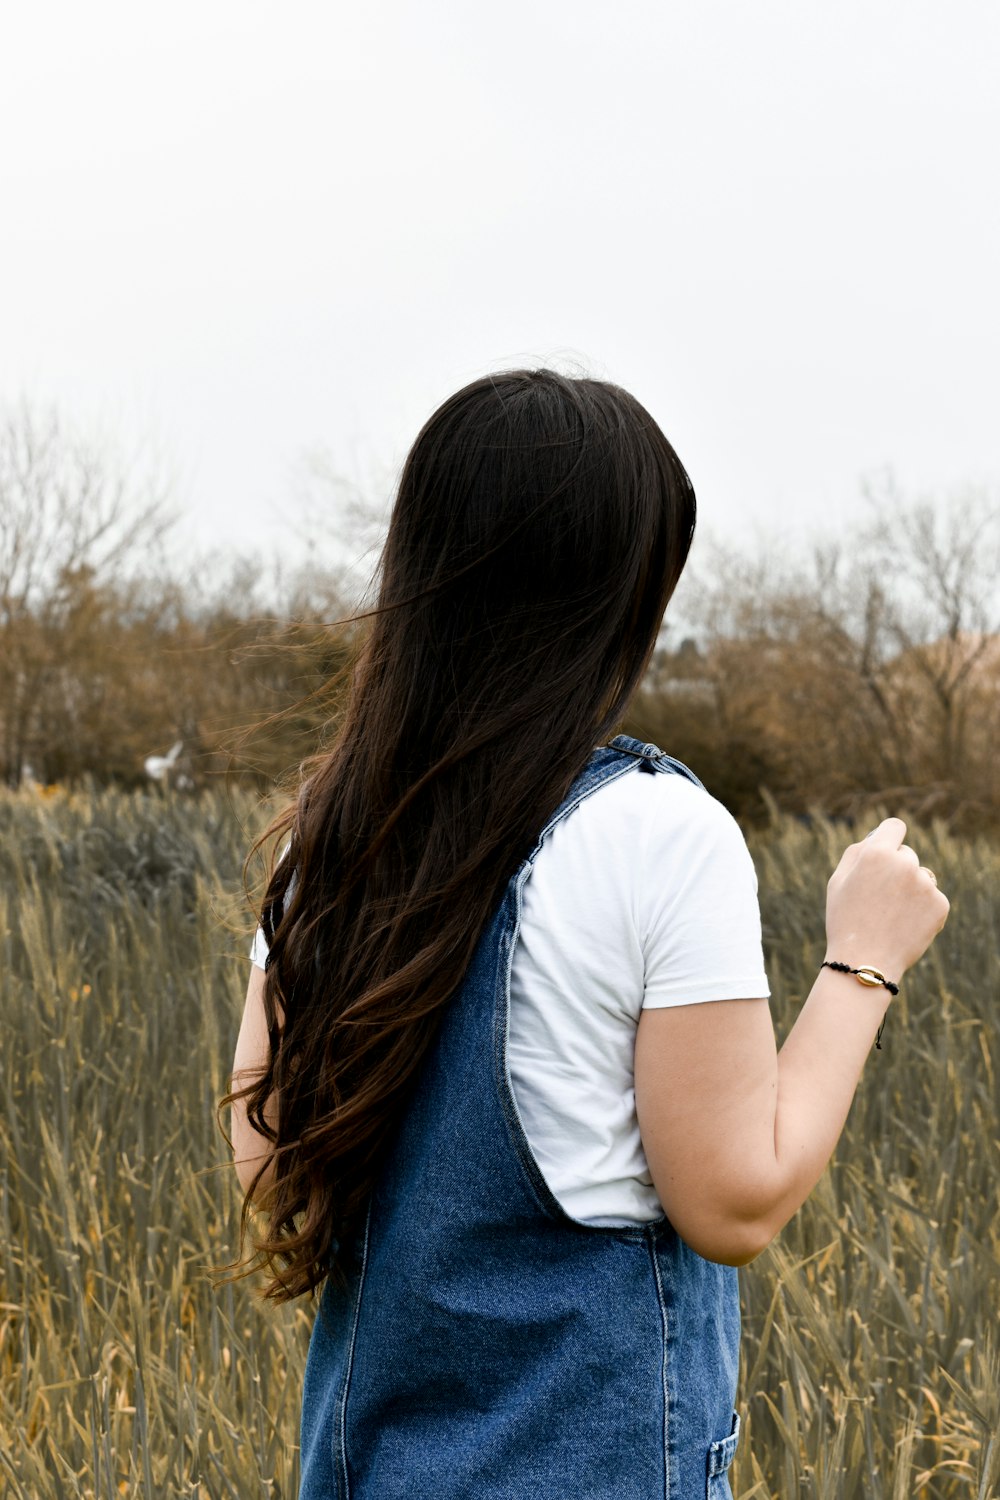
871, 1357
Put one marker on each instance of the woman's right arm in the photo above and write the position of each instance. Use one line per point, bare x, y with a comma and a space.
737, 1134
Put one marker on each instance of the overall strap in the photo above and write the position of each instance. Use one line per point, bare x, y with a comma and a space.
607, 763
653, 758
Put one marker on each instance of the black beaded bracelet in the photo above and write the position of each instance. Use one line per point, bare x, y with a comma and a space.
865, 975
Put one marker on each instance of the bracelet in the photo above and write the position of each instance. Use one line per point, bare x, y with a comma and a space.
865, 975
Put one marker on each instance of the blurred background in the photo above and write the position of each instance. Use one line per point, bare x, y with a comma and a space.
246, 251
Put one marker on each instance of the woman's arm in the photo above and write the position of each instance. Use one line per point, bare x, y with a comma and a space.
736, 1134
250, 1148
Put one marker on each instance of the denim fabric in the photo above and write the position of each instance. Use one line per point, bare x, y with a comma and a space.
490, 1346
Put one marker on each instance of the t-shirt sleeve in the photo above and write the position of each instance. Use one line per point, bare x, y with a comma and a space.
258, 951
259, 947
699, 915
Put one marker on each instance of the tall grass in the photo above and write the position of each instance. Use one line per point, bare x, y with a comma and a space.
871, 1358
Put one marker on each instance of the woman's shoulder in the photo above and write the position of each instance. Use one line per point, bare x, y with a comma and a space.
664, 801
642, 831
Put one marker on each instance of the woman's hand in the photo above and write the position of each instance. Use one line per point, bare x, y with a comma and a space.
883, 908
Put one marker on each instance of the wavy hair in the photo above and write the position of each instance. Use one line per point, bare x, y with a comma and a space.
540, 527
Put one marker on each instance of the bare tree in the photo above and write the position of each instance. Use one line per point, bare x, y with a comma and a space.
865, 670
72, 519
341, 523
943, 612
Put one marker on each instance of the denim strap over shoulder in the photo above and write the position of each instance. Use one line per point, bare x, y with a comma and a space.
653, 758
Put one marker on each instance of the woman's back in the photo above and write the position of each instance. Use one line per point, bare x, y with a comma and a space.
487, 1345
645, 896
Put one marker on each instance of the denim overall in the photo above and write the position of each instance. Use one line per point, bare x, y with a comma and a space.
489, 1346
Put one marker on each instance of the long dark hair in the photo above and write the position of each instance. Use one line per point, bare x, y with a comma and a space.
540, 527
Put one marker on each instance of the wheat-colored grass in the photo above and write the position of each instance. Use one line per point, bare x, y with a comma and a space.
871, 1358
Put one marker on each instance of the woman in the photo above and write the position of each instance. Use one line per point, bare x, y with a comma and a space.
508, 1085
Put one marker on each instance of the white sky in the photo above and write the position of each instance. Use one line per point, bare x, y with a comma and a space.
247, 232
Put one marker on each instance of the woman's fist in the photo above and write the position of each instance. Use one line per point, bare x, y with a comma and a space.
883, 907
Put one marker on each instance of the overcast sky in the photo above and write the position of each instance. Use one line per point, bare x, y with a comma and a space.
247, 233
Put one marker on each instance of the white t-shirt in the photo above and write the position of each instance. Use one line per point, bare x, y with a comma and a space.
644, 895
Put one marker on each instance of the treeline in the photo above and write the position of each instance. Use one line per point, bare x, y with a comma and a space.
111, 653
110, 677
865, 674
